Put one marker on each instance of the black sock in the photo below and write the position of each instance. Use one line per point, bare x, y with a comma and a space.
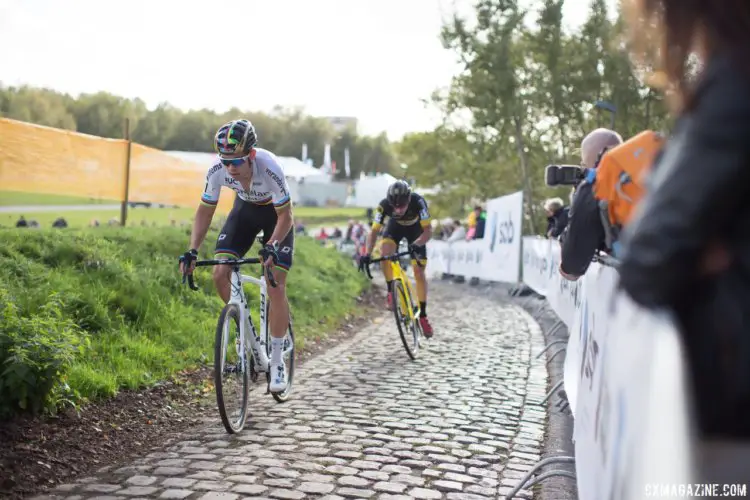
423, 309
389, 285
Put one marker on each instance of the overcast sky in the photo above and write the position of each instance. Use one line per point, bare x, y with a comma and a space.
373, 59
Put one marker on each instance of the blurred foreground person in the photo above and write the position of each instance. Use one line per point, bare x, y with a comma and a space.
688, 247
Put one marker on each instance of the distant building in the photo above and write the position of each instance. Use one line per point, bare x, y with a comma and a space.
341, 123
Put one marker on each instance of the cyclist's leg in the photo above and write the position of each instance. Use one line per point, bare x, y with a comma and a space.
233, 242
419, 265
278, 314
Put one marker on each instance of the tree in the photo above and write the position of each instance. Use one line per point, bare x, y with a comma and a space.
282, 131
528, 90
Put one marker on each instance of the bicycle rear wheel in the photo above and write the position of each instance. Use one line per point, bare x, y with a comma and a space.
231, 370
406, 327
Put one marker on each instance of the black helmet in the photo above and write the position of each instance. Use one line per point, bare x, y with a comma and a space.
398, 193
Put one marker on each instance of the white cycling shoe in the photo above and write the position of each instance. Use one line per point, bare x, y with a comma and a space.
278, 377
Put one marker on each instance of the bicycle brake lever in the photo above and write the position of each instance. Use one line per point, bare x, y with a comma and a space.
191, 282
269, 275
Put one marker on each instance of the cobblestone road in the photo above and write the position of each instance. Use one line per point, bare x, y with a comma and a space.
365, 422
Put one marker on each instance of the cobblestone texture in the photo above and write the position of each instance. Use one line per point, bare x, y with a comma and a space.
364, 422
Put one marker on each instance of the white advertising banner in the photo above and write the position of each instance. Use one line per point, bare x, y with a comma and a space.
502, 239
437, 258
564, 296
537, 267
624, 378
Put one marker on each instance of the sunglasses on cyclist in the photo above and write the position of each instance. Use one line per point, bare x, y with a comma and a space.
234, 162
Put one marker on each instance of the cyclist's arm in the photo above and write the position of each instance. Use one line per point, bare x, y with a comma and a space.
203, 217
282, 202
205, 212
425, 236
377, 224
424, 221
284, 223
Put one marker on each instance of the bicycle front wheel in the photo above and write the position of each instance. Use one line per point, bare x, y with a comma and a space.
231, 370
406, 327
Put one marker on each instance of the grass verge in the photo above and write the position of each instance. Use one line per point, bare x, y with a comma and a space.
141, 216
86, 313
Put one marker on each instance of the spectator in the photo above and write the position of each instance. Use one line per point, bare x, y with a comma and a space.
60, 222
21, 222
300, 227
557, 217
323, 234
349, 230
688, 245
471, 224
481, 222
459, 232
584, 234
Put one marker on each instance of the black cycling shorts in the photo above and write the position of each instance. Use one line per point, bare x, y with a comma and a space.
397, 232
244, 223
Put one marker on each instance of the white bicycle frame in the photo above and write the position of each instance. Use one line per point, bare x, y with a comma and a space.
258, 343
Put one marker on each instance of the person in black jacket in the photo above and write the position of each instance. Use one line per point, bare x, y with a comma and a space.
557, 217
584, 234
688, 247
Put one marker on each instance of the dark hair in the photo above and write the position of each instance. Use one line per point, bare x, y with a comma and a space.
667, 32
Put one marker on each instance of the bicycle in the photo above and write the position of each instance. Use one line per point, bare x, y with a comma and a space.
405, 309
237, 313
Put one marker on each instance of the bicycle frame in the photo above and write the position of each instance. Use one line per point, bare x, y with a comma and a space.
237, 296
258, 344
400, 275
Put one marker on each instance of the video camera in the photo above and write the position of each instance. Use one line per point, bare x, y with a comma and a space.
564, 175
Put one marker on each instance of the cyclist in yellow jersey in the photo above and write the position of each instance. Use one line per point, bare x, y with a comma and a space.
409, 218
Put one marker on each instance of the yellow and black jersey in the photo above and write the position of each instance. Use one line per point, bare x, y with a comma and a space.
416, 213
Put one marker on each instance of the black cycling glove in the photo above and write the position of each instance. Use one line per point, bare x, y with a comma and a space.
189, 257
270, 250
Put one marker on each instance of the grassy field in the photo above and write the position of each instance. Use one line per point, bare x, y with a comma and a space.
97, 311
141, 216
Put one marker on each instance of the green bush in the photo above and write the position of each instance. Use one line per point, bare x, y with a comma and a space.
36, 354
86, 313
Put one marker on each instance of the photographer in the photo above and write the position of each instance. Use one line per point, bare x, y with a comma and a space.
585, 233
557, 217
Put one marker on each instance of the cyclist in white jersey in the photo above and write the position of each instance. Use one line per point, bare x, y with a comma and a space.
262, 204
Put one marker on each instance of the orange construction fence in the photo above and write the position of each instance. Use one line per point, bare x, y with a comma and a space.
39, 159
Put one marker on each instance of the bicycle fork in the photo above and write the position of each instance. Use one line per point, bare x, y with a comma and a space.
257, 344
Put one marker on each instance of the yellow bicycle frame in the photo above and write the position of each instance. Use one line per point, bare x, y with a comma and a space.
400, 275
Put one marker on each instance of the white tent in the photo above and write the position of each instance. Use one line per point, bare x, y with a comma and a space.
297, 169
368, 191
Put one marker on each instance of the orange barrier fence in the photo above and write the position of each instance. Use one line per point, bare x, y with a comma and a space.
39, 159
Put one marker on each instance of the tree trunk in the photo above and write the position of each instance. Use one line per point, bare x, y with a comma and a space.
528, 195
